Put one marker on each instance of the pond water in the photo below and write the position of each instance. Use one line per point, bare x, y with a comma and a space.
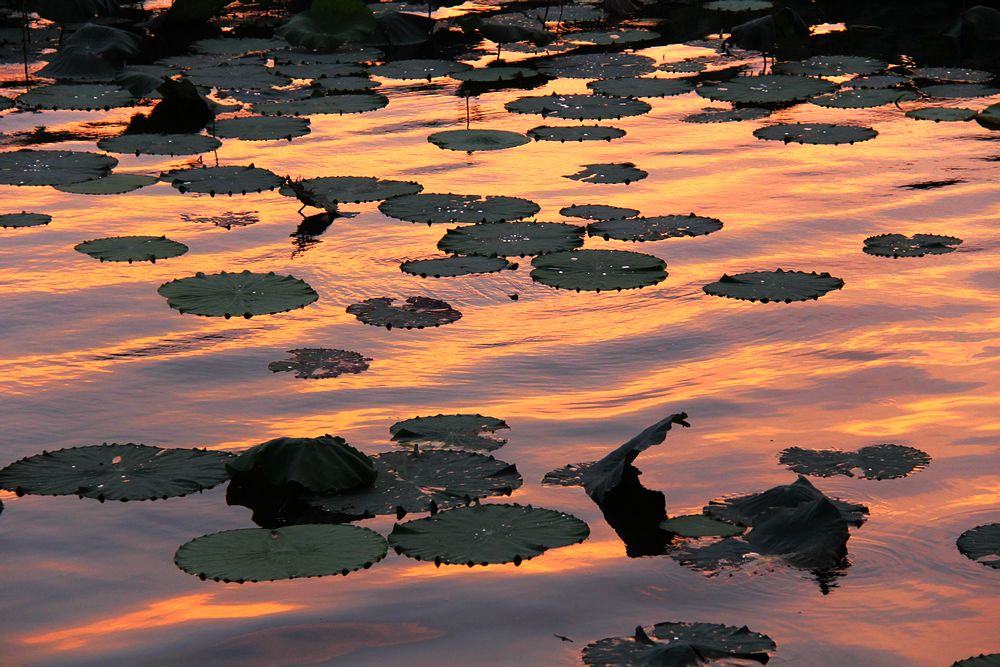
905, 353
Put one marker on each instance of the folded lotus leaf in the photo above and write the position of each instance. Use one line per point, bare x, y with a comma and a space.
347, 84
680, 644
580, 133
727, 115
32, 167
863, 98
77, 96
419, 69
738, 5
812, 535
477, 140
815, 133
289, 552
960, 90
328, 191
598, 270
238, 46
326, 464
875, 461
981, 660
655, 228
766, 89
445, 208
699, 525
159, 144
579, 107
320, 70
508, 239
982, 544
223, 180
494, 74
876, 81
18, 220
420, 481
918, 245
612, 37
598, 212
112, 184
641, 87
328, 24
417, 312
261, 128
116, 472
568, 475
777, 286
597, 66
487, 534
241, 294
952, 74
6, 103
324, 104
132, 248
313, 363
234, 75
747, 510
609, 173
451, 267
461, 431
939, 114
990, 117
832, 66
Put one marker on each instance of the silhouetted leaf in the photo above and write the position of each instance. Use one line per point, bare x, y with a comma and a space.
875, 461
982, 544
477, 140
699, 525
579, 133
598, 270
315, 363
417, 312
766, 89
579, 107
326, 464
655, 228
261, 128
774, 286
508, 239
241, 294
446, 208
159, 144
112, 184
641, 87
815, 133
452, 267
609, 173
31, 167
597, 66
918, 245
598, 212
222, 180
450, 432
24, 219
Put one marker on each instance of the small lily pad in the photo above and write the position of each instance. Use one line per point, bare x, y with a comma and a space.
417, 312
982, 544
832, 66
326, 464
699, 525
863, 98
314, 363
777, 286
656, 228
942, 114
261, 128
19, 220
418, 69
447, 208
508, 239
597, 66
766, 89
641, 87
609, 173
598, 270
132, 248
328, 191
33, 167
347, 84
579, 107
452, 267
679, 644
918, 245
76, 96
815, 133
568, 475
494, 74
477, 140
876, 81
112, 184
579, 133
461, 431
241, 294
727, 115
874, 462
223, 180
598, 212
324, 104
160, 144
952, 74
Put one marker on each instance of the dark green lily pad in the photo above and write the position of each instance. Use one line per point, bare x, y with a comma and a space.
598, 270
132, 248
477, 140
236, 75
982, 544
32, 167
357, 54
609, 173
487, 534
418, 69
160, 144
876, 81
942, 114
473, 432
347, 84
446, 208
328, 191
237, 46
112, 184
738, 5
289, 552
918, 245
699, 525
508, 239
597, 66
320, 70
953, 74
656, 228
747, 510
612, 37
315, 363
815, 133
324, 104
727, 115
832, 66
777, 286
494, 74
579, 133
568, 475
874, 462
6, 103
960, 90
261, 128
116, 472
329, 24
241, 294
579, 107
77, 96
679, 644
24, 219
598, 212
223, 180
452, 267
326, 464
863, 98
417, 312
641, 87
766, 89
990, 117
683, 67
981, 660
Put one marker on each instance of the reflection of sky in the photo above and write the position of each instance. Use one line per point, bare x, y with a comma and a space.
906, 352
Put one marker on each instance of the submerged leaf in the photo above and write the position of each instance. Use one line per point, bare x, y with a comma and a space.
598, 270
874, 461
918, 245
680, 644
450, 432
982, 544
774, 286
326, 464
417, 312
132, 248
313, 363
241, 294
507, 239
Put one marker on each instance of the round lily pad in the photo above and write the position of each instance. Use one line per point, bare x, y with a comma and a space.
446, 208
507, 239
598, 212
876, 81
132, 248
228, 294
952, 74
678, 644
597, 66
160, 144
863, 98
960, 90
76, 96
766, 89
417, 312
328, 191
116, 472
494, 74
289, 552
223, 180
357, 54
347, 84
874, 462
580, 133
738, 5
982, 544
324, 104
683, 66
918, 245
261, 128
450, 432
487, 534
235, 75
699, 525
609, 173
477, 140
32, 167
319, 71
598, 270
579, 107
815, 133
314, 363
18, 220
727, 115
451, 267
981, 660
942, 114
832, 66
326, 464
418, 69
112, 184
641, 87
656, 228
612, 37
774, 286
237, 46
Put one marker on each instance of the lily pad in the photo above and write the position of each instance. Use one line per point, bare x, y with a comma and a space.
241, 294
77, 96
319, 71
738, 5
568, 475
981, 660
6, 103
680, 644
24, 219
328, 24
990, 117
832, 66
777, 286
918, 245
223, 180
417, 312
461, 431
418, 69
727, 115
487, 534
815, 133
656, 228
507, 239
609, 173
598, 212
289, 552
236, 46
324, 104
874, 462
699, 525
960, 90
863, 98
314, 363
982, 544
116, 472
598, 270
749, 509
261, 128
579, 107
236, 75
160, 144
477, 140
31, 167
347, 84
641, 87
952, 74
580, 133
112, 184
597, 66
942, 114
328, 191
494, 74
612, 37
446, 208
452, 267
876, 81
326, 464
132, 248
766, 89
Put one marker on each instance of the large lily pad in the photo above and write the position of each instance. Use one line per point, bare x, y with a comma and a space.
727, 115
112, 184
747, 510
461, 431
641, 87
815, 133
612, 37
766, 89
326, 464
598, 212
160, 144
942, 114
452, 267
494, 74
261, 128
507, 239
223, 180
76, 96
777, 286
241, 294
445, 208
324, 104
877, 81
24, 219
875, 461
417, 312
477, 140
598, 270
597, 66
320, 70
116, 472
579, 107
960, 90
236, 75
863, 98
418, 69
32, 167
609, 173
328, 191
680, 644
832, 66
952, 74
982, 544
132, 248
656, 228
918, 245
289, 552
580, 133
313, 363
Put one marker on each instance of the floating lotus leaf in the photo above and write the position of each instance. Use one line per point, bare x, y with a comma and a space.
597, 66
450, 432
223, 180
939, 114
455, 266
328, 191
418, 69
289, 552
487, 534
598, 212
358, 54
679, 644
569, 475
477, 140
990, 117
435, 208
579, 107
116, 472
655, 229
727, 115
952, 74
918, 245
811, 535
507, 239
875, 461
241, 294
159, 144
612, 37
876, 81
324, 104
749, 509
863, 98
641, 87
494, 74
227, 220
314, 363
6, 103
699, 525
682, 67
18, 220
347, 84
982, 544
766, 89
598, 270
422, 480
960, 90
417, 312
229, 46
832, 66
31, 167
981, 660
261, 128
320, 70
609, 173
738, 5
778, 286
328, 24
580, 133
815, 133
132, 248
228, 75
326, 464
77, 96
112, 184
